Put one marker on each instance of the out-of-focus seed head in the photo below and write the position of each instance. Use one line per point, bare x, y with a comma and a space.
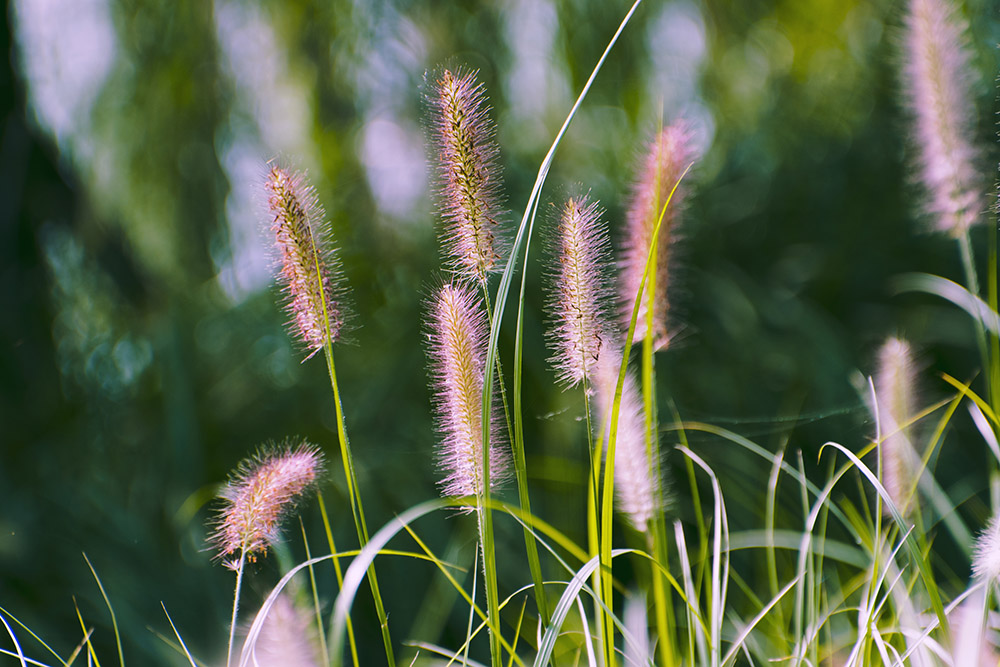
637, 487
938, 83
579, 302
469, 176
261, 493
287, 636
457, 336
895, 384
665, 160
308, 267
986, 553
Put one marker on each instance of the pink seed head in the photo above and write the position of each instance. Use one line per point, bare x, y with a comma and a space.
895, 383
469, 180
457, 339
636, 485
665, 160
986, 553
938, 83
257, 498
308, 268
579, 302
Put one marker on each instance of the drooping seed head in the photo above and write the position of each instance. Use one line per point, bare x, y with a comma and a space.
457, 340
666, 158
469, 176
262, 491
938, 83
308, 267
579, 302
895, 384
637, 487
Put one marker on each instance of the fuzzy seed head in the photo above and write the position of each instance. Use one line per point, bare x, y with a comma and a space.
667, 156
579, 301
457, 340
287, 636
636, 486
469, 177
938, 82
262, 491
895, 384
308, 268
986, 554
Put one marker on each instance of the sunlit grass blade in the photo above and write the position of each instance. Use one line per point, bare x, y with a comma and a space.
187, 654
504, 288
13, 638
918, 558
33, 635
951, 291
111, 610
340, 576
745, 632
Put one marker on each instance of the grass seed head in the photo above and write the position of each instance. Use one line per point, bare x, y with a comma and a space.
938, 84
666, 158
457, 336
469, 176
579, 300
262, 491
309, 271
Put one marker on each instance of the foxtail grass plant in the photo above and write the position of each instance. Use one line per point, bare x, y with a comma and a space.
866, 567
310, 277
261, 493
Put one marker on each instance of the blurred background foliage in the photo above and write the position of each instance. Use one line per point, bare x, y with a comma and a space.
142, 354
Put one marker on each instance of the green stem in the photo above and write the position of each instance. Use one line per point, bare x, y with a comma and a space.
356, 507
517, 447
340, 576
969, 265
236, 606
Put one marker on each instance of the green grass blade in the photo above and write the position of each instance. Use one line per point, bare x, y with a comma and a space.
33, 635
13, 638
177, 634
114, 620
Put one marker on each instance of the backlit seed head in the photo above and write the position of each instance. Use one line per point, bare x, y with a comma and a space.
308, 267
457, 336
261, 493
666, 158
986, 554
895, 383
469, 176
579, 302
637, 486
938, 77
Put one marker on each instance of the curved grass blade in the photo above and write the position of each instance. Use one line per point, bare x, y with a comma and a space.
114, 620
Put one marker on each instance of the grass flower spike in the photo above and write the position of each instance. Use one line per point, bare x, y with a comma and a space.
894, 387
938, 77
579, 303
259, 496
986, 555
457, 338
469, 174
636, 488
308, 271
665, 160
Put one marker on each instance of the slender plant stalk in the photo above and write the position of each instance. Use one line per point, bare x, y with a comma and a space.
607, 498
236, 606
517, 449
661, 596
356, 507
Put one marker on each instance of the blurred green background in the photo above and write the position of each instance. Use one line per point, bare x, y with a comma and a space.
142, 355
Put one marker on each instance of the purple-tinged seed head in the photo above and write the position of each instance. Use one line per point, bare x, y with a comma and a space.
469, 176
260, 494
457, 336
636, 484
938, 83
308, 267
665, 160
895, 384
580, 302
